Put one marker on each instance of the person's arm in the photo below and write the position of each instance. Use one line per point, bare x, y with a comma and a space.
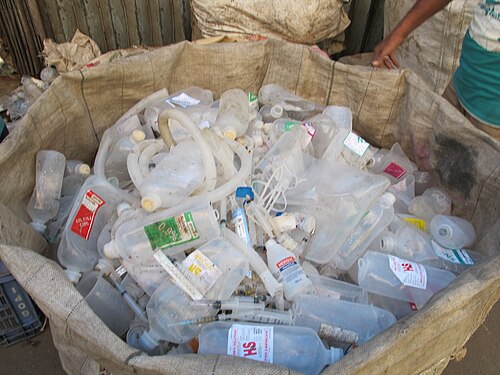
383, 54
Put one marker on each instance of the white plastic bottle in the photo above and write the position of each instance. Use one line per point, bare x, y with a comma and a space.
401, 279
95, 204
376, 220
234, 114
176, 176
432, 202
215, 270
287, 270
366, 320
297, 348
173, 230
116, 163
44, 202
452, 232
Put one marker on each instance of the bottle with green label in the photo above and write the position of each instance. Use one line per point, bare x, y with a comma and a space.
171, 231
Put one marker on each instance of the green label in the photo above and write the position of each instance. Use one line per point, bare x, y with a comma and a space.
175, 230
252, 97
290, 124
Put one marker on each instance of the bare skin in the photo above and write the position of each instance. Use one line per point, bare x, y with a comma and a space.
383, 55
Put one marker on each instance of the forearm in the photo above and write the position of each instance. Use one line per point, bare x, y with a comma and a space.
421, 11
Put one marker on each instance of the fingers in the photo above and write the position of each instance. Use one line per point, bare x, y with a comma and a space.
394, 60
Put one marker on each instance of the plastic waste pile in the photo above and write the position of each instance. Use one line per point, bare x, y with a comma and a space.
255, 226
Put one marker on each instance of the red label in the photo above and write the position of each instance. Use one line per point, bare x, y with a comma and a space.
395, 170
413, 306
285, 261
310, 129
84, 219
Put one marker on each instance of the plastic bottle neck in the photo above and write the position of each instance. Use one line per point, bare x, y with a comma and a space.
38, 226
445, 231
147, 341
336, 354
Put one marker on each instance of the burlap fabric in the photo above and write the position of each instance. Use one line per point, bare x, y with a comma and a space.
388, 106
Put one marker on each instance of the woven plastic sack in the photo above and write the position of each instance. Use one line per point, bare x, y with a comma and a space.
433, 50
307, 22
388, 106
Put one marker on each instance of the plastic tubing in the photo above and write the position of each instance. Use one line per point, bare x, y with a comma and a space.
221, 151
133, 162
186, 122
254, 259
148, 153
143, 103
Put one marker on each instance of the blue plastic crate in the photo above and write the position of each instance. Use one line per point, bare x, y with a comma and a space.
19, 316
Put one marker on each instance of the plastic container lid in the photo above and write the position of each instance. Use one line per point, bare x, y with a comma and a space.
230, 134
83, 169
151, 202
137, 136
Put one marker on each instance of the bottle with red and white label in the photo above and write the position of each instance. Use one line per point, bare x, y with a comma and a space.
44, 202
94, 205
297, 348
393, 164
400, 279
287, 270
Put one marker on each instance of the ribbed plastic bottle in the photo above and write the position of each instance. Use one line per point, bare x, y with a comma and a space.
401, 279
44, 202
297, 348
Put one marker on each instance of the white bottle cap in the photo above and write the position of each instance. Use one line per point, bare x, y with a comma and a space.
38, 226
110, 250
387, 243
73, 276
83, 169
104, 265
137, 136
123, 207
151, 202
388, 198
277, 111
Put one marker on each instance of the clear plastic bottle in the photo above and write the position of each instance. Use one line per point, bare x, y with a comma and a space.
271, 113
94, 205
296, 107
432, 202
297, 348
366, 320
176, 176
401, 279
393, 164
215, 270
173, 230
452, 232
376, 220
342, 119
287, 270
234, 114
44, 202
76, 167
116, 163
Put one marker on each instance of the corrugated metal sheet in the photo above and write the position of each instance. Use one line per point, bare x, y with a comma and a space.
111, 23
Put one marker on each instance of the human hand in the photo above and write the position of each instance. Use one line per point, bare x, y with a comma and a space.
383, 54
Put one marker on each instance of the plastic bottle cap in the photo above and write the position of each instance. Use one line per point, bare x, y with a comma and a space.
110, 250
83, 169
230, 134
104, 265
38, 226
259, 124
277, 111
123, 207
148, 342
445, 231
151, 202
389, 198
387, 243
73, 276
138, 136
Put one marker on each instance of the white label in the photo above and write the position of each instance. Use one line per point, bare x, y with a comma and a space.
184, 100
253, 342
356, 144
200, 271
180, 280
241, 226
121, 271
409, 273
458, 256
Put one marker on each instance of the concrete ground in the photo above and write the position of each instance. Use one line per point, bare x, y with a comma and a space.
38, 355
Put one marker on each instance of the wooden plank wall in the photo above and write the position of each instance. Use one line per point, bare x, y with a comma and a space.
367, 26
111, 23
117, 23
